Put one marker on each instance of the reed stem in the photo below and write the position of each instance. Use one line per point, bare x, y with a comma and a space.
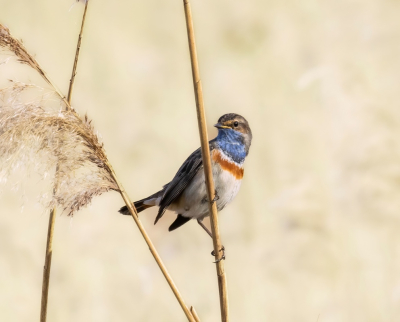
47, 266
152, 249
205, 151
52, 219
78, 48
194, 313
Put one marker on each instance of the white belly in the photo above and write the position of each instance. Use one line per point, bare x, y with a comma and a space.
193, 202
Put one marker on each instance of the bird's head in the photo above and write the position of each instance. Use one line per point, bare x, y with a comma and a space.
235, 125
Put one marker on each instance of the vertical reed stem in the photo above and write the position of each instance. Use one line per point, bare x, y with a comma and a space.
78, 48
205, 151
47, 266
50, 231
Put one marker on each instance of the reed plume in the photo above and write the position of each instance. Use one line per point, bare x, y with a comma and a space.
32, 128
52, 136
15, 47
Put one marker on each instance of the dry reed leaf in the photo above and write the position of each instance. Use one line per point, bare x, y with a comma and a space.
33, 135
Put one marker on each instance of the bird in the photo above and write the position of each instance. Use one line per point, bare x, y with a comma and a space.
186, 193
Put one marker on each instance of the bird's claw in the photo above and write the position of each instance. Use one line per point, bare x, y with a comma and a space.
218, 260
223, 254
216, 197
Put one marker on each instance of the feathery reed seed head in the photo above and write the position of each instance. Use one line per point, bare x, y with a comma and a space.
32, 131
14, 46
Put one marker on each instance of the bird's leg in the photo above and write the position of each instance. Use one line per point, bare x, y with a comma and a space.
200, 222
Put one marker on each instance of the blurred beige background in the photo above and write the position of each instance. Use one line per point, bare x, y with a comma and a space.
314, 234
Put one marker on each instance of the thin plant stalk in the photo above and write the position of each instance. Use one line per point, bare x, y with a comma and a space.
78, 48
194, 313
152, 249
47, 266
52, 219
205, 151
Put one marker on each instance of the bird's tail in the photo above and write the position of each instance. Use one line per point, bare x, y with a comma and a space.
142, 204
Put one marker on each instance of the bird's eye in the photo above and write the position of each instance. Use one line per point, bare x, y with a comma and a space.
236, 124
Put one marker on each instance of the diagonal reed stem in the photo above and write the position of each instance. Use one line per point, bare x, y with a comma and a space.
52, 219
152, 249
205, 151
194, 313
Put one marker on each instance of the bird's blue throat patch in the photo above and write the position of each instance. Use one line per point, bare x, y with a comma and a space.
231, 142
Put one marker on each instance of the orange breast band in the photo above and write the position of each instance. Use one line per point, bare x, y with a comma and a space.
226, 165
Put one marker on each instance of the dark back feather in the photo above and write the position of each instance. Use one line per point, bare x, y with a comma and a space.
182, 178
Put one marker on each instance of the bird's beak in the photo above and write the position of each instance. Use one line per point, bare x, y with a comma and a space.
220, 126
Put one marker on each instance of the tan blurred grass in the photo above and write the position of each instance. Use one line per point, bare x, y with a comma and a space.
313, 234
